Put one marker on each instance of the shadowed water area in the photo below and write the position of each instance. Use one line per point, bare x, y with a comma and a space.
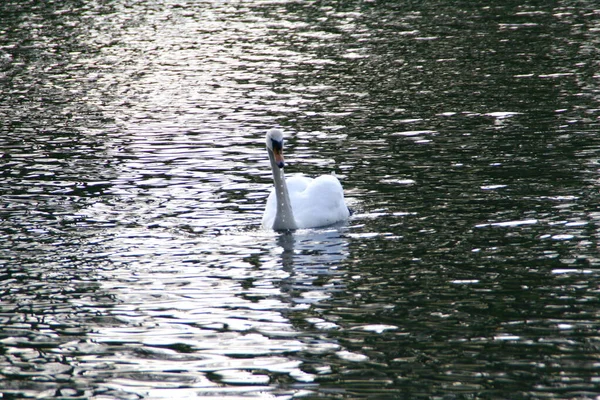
133, 176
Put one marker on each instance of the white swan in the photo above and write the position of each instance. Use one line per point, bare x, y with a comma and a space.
300, 202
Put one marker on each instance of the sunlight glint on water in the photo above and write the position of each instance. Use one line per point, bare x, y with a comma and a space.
212, 306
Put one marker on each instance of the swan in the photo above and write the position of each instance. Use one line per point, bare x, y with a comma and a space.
300, 202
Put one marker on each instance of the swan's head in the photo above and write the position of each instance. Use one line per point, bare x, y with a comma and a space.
275, 145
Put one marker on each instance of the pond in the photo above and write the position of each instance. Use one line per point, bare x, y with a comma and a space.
134, 176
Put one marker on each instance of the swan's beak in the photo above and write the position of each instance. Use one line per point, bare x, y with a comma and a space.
279, 158
278, 152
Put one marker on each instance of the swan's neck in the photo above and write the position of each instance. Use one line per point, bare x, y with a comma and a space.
284, 219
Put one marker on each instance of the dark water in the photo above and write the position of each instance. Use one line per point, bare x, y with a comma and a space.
132, 262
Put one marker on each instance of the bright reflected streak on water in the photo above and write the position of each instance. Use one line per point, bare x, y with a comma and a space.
215, 304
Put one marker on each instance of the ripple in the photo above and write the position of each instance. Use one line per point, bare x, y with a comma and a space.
510, 223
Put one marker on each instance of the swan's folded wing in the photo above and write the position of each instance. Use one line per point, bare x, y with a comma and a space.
297, 184
321, 203
270, 212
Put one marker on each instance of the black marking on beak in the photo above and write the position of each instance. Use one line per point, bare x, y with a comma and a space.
277, 145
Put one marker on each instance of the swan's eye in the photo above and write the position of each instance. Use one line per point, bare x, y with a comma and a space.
277, 145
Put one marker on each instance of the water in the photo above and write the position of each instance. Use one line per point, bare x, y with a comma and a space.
134, 176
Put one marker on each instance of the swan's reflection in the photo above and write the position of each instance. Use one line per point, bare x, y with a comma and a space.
313, 259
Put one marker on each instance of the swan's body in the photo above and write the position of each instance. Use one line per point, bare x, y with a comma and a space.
300, 202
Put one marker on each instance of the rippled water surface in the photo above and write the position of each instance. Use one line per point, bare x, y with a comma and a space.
134, 175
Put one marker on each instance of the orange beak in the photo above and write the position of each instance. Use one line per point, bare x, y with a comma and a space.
279, 158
